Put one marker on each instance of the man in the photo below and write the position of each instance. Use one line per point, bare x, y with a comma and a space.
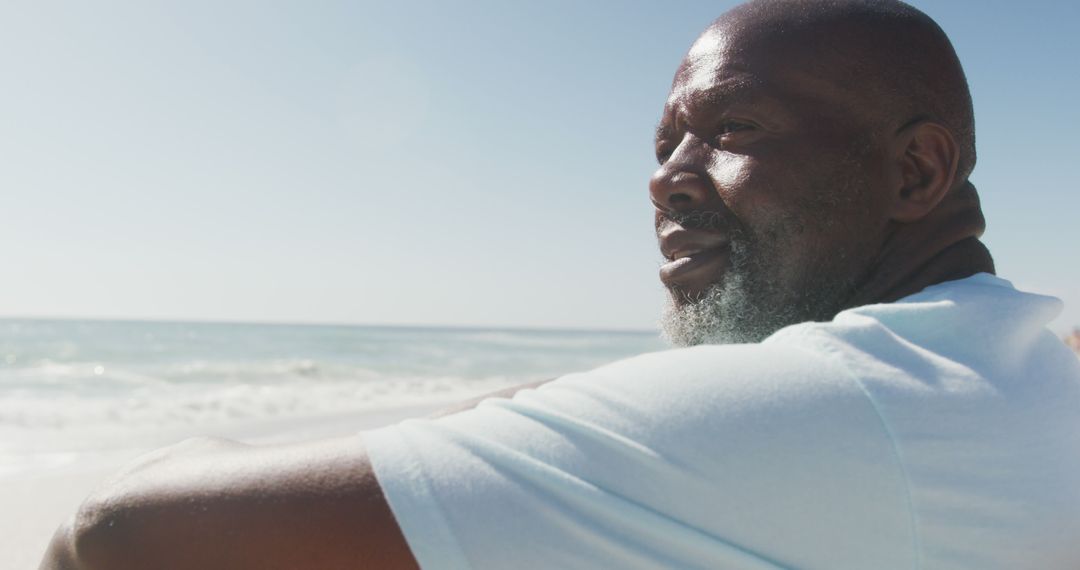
814, 159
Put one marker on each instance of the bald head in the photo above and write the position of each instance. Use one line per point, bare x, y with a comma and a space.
893, 59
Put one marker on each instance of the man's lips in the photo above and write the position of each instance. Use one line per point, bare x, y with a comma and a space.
696, 258
695, 270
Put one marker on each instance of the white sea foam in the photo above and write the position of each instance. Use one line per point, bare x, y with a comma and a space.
39, 429
153, 403
70, 388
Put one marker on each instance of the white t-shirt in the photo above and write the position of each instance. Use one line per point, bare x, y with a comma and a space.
940, 431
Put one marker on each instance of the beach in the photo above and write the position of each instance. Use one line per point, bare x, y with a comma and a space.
79, 399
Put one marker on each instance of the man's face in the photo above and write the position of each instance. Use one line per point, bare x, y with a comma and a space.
765, 204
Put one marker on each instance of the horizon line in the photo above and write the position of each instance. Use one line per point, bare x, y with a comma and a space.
200, 321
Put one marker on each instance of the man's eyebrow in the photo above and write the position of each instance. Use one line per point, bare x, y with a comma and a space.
732, 91
731, 94
735, 80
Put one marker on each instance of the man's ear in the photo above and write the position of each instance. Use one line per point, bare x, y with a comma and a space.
927, 157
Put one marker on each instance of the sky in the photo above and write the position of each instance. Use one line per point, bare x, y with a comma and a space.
476, 163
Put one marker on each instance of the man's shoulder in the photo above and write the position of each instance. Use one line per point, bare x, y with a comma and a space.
980, 326
681, 444
724, 370
679, 400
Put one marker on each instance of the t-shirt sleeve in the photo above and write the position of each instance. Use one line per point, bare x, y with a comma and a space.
742, 456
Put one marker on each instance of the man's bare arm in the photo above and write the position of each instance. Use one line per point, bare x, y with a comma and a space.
210, 504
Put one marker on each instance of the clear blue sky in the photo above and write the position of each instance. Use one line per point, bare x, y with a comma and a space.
421, 162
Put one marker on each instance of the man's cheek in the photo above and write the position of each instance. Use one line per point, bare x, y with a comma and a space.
733, 176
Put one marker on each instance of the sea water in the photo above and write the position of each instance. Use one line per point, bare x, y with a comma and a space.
73, 388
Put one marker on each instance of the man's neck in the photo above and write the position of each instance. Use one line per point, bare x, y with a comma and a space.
943, 246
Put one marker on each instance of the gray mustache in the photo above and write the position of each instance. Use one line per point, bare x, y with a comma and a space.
695, 220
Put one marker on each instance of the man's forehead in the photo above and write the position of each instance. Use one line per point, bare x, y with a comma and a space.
727, 65
711, 59
706, 55
715, 71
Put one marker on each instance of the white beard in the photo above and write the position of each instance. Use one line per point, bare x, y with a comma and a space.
751, 301
712, 319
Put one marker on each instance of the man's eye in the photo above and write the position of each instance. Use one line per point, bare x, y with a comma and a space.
727, 133
728, 127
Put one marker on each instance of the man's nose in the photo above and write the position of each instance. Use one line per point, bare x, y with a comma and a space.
681, 184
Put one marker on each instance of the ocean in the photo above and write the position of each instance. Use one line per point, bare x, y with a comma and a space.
71, 389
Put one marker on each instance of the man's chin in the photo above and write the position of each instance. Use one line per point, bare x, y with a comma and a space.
723, 314
743, 309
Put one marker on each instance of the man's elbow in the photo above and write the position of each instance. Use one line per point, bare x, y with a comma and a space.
97, 536
60, 555
70, 543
